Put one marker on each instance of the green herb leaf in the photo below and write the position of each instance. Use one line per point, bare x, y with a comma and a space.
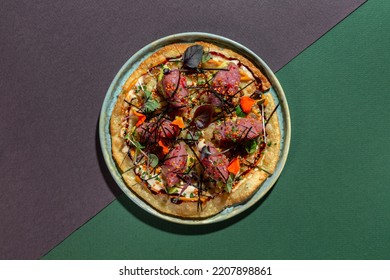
229, 183
138, 145
153, 160
251, 146
206, 57
172, 190
239, 112
150, 104
135, 143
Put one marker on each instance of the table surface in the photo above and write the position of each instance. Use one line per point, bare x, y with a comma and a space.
331, 201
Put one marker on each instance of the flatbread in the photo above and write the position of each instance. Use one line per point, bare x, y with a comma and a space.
130, 153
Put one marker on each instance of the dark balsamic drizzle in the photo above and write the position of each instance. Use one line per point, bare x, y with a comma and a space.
273, 111
159, 116
247, 85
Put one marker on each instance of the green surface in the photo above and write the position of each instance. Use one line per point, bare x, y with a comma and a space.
332, 200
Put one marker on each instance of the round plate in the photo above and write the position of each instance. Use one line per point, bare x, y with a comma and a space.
132, 64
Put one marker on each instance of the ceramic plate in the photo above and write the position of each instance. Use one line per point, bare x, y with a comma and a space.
132, 64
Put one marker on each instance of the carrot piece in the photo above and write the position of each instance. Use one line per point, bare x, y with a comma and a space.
246, 104
165, 148
178, 122
141, 118
234, 166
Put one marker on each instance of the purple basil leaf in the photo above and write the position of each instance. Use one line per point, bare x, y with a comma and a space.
193, 56
203, 116
205, 152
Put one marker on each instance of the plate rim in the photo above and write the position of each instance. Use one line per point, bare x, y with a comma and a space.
189, 37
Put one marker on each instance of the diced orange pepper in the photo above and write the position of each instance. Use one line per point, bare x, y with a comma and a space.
165, 148
234, 166
246, 104
141, 118
178, 122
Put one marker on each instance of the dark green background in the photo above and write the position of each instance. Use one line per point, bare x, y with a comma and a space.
332, 200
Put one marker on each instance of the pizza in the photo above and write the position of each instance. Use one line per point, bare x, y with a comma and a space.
194, 130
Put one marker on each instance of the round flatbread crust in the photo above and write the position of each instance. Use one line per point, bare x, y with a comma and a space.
190, 210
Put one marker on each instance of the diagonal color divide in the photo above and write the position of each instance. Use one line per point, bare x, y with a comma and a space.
331, 201
58, 60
